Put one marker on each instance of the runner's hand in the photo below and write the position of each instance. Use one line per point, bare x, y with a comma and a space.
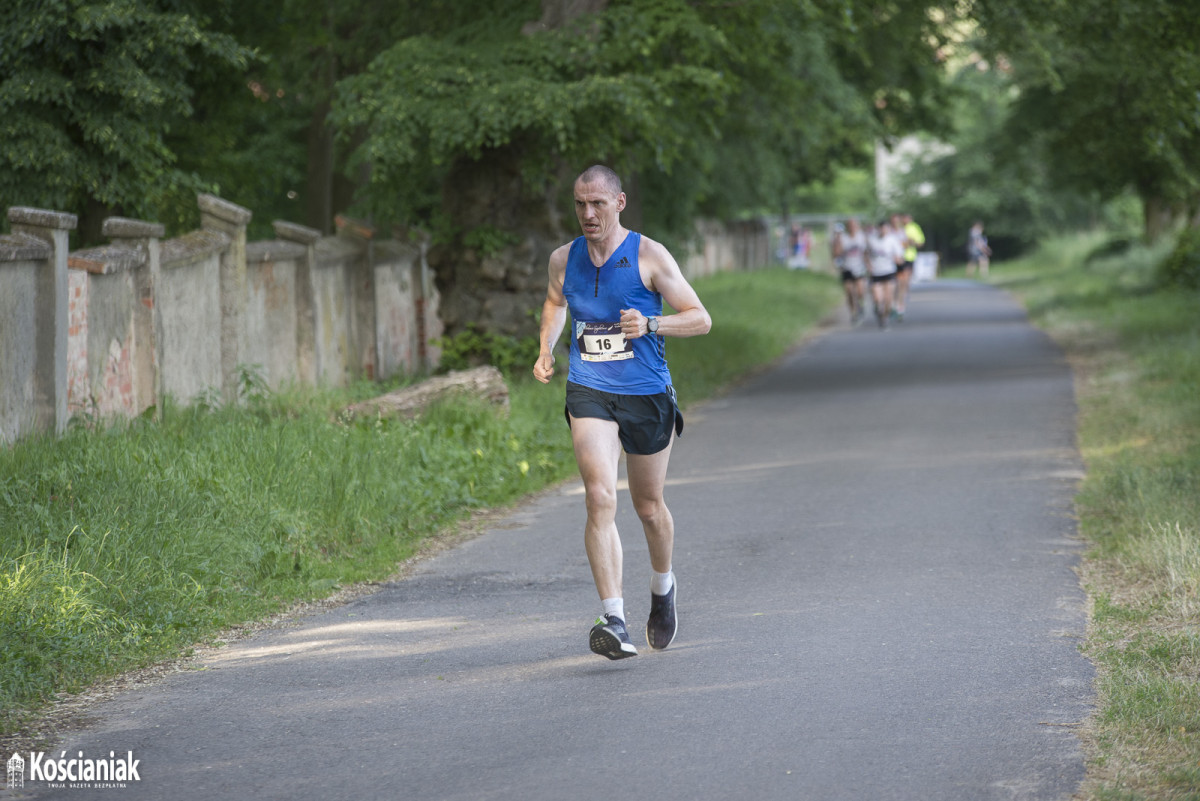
634, 324
543, 368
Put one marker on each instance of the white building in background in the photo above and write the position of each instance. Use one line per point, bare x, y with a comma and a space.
894, 163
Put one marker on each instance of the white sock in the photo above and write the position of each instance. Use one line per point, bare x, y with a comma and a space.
661, 583
614, 607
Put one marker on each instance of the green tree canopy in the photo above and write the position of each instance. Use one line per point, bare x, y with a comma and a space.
979, 172
704, 106
89, 92
751, 98
643, 82
1109, 88
267, 143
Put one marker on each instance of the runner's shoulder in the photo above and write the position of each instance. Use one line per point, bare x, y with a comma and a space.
654, 254
558, 258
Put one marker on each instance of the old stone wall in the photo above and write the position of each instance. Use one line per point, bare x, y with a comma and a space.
724, 247
110, 331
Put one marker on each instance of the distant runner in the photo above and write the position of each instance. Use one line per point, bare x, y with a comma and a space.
978, 252
849, 254
884, 256
913, 239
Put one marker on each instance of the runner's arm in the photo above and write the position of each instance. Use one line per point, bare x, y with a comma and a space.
690, 318
554, 316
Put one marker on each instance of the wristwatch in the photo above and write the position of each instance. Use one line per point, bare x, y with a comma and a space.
652, 324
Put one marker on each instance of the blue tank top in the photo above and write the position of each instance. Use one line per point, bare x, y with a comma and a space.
601, 358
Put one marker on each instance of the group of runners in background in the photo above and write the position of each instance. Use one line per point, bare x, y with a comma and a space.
882, 256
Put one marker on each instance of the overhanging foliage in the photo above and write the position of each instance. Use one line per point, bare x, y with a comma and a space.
720, 106
89, 90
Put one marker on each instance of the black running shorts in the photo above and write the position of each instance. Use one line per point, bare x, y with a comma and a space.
644, 422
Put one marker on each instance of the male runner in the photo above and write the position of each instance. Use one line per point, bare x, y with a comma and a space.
619, 394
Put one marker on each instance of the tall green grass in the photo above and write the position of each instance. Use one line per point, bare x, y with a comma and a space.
126, 545
756, 318
1135, 344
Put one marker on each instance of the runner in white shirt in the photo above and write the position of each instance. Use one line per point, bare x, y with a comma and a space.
850, 247
884, 254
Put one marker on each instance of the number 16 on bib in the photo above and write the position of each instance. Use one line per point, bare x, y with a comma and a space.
602, 342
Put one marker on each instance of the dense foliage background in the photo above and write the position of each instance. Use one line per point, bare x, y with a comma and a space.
1046, 115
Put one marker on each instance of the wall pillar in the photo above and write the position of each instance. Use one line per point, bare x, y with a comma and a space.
365, 357
229, 219
306, 308
143, 237
50, 303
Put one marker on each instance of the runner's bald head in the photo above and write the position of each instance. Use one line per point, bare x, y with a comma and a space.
598, 173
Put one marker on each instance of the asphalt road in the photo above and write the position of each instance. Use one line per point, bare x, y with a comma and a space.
874, 552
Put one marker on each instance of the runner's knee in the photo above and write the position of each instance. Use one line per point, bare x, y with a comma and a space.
649, 510
601, 500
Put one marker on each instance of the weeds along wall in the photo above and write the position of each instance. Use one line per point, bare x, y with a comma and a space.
109, 331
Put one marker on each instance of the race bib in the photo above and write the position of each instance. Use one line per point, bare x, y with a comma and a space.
602, 342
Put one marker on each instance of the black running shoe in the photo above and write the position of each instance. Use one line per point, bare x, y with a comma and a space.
661, 627
609, 638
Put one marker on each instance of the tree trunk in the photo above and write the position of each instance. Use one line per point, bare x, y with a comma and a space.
91, 222
1158, 216
318, 185
557, 13
492, 272
1193, 211
320, 195
485, 383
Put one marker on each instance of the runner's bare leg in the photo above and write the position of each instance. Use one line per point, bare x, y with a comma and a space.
598, 454
647, 477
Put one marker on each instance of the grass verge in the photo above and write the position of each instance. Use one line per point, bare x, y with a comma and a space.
127, 545
1135, 347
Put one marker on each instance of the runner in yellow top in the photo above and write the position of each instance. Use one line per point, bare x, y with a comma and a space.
914, 240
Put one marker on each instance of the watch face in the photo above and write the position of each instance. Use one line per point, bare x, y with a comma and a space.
653, 325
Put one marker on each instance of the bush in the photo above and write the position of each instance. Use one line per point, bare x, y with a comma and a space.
1182, 267
1115, 246
473, 348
